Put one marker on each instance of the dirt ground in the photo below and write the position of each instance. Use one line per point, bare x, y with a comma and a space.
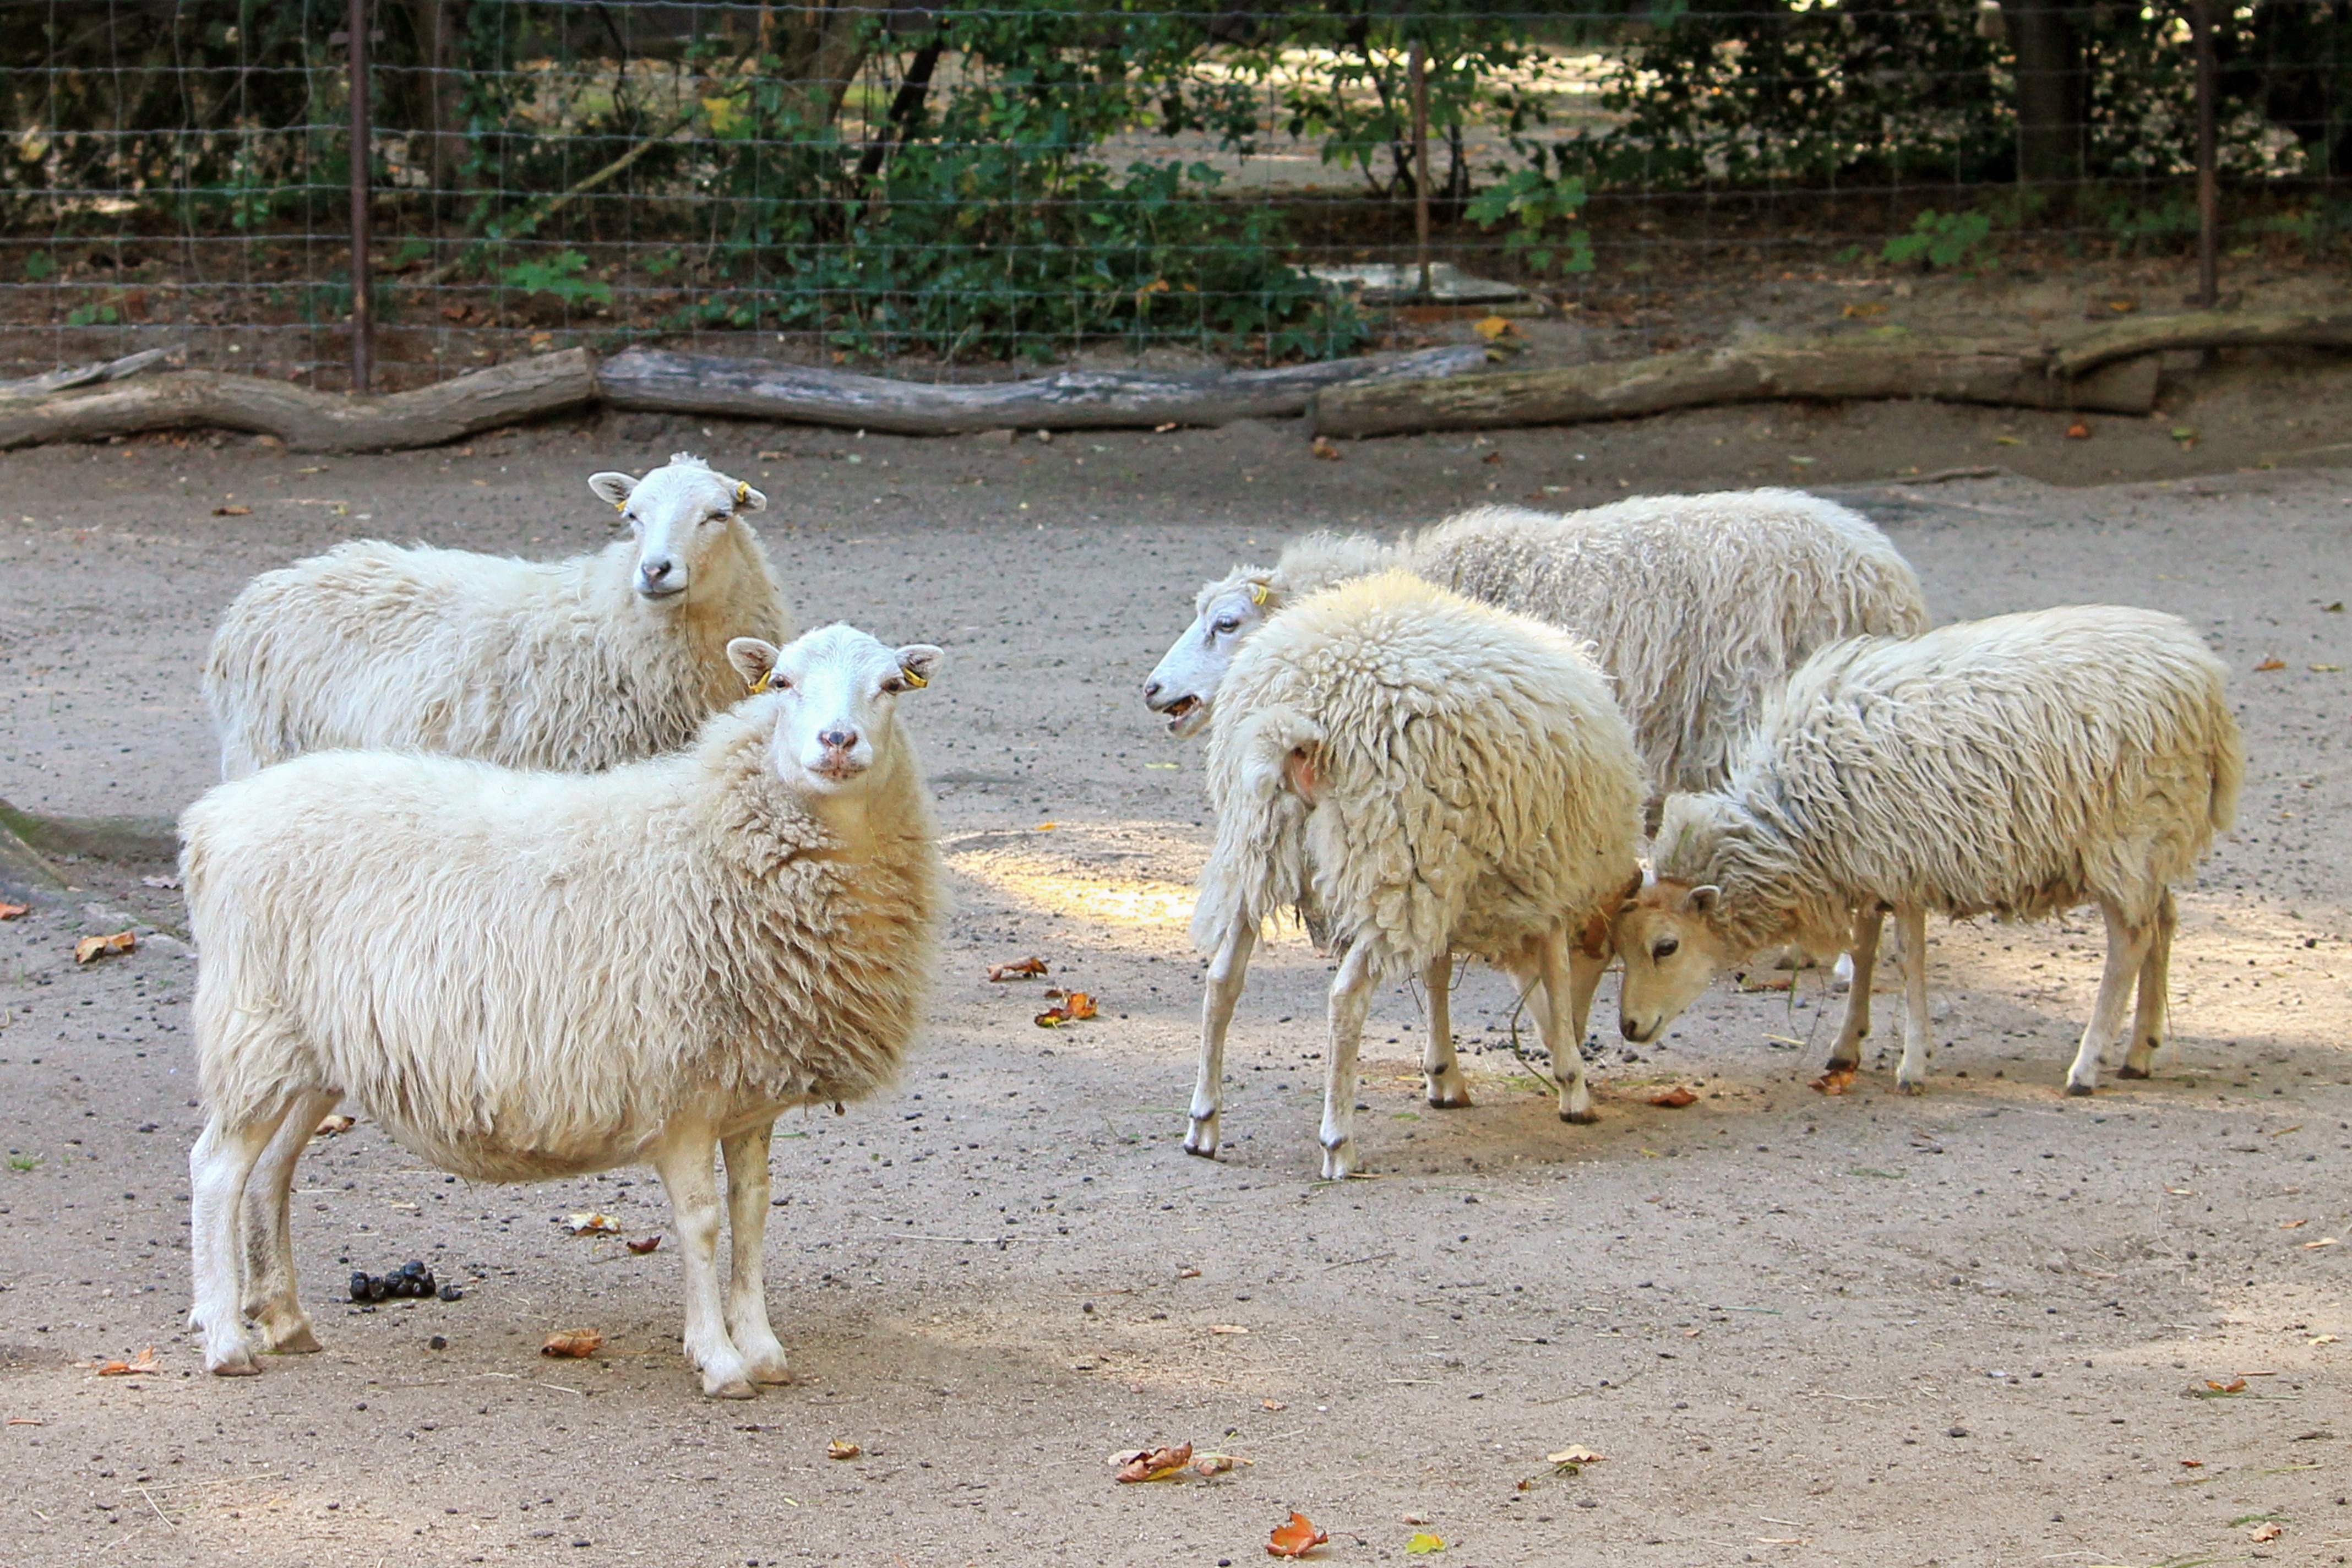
2023, 1320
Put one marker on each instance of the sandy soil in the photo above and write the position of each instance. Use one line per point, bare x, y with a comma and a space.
2013, 1315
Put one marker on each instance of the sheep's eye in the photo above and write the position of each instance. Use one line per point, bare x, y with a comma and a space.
1228, 623
893, 685
1665, 949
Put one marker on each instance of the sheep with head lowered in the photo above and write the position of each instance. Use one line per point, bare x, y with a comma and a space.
1696, 606
2018, 766
573, 664
531, 975
1432, 776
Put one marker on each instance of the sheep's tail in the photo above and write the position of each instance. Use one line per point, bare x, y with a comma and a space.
2229, 767
1259, 863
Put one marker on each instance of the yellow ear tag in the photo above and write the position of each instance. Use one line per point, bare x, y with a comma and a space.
762, 684
1258, 593
620, 505
742, 493
911, 678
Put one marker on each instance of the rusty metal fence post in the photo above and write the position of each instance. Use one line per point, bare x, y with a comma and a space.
2209, 194
362, 307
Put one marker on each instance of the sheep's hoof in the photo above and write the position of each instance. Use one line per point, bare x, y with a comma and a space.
2077, 1090
1449, 1091
1916, 1086
236, 1362
1202, 1141
1584, 1118
2128, 1070
1339, 1163
733, 1388
297, 1340
1848, 1065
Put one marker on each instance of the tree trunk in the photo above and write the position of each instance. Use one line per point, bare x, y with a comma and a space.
819, 49
2051, 91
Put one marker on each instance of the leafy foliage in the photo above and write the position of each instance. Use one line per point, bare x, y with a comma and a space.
1942, 239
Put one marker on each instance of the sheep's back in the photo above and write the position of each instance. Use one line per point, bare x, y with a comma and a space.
1697, 605
1476, 783
2017, 765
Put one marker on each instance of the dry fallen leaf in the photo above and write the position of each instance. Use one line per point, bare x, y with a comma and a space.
2292, 1223
771, 455
1834, 1081
9, 911
1421, 1543
2321, 1340
1325, 450
1278, 1405
2235, 1386
2323, 1241
1213, 1464
2263, 1533
232, 511
1227, 1328
1491, 327
641, 1248
1861, 311
1187, 1272
2326, 668
1295, 1539
143, 1362
1574, 1453
332, 1125
2193, 1464
1020, 969
2079, 431
575, 1344
842, 1448
1674, 1099
1074, 1006
92, 948
2272, 664
593, 1223
1156, 1463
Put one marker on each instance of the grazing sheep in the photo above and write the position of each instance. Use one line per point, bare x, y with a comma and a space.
1696, 606
1433, 776
531, 975
2016, 766
575, 664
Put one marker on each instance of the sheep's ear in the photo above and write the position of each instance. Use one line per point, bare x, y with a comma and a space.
749, 499
1260, 589
918, 662
1703, 899
754, 661
612, 488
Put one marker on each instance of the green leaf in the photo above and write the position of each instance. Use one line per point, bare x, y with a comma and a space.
1423, 1543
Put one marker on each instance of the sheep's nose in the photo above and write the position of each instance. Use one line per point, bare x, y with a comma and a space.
1627, 1027
1152, 691
656, 568
837, 740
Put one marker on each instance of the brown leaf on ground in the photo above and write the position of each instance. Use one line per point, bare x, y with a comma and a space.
1574, 1453
1295, 1539
1212, 1464
1674, 1099
143, 1362
1227, 1328
641, 1247
1492, 327
1020, 969
332, 1125
1834, 1081
2079, 431
1492, 457
593, 1223
576, 1344
1766, 983
91, 949
2292, 1223
232, 511
1187, 1272
842, 1448
2193, 1464
2269, 1532
2272, 664
2235, 1386
1074, 1006
9, 911
1272, 1404
1325, 450
1156, 1463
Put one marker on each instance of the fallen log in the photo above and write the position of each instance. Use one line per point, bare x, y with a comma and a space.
305, 420
2006, 376
1067, 399
2203, 330
74, 375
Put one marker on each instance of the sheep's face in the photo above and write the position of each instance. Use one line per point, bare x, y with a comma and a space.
1186, 681
839, 692
680, 514
1672, 950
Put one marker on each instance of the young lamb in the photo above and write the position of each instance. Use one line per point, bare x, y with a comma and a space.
530, 975
1431, 777
2016, 766
575, 664
1697, 605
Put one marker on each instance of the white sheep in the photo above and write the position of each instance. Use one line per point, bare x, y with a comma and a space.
1696, 606
530, 975
2018, 767
1433, 776
575, 665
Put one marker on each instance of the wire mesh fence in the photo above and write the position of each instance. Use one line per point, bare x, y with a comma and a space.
951, 188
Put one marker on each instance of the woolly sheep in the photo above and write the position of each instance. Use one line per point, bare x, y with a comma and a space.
1432, 776
2016, 766
575, 665
1697, 605
531, 975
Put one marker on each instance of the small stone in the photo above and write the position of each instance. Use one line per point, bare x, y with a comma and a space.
437, 1342
452, 1293
1958, 1432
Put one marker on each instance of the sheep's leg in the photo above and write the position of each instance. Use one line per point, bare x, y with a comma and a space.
268, 1242
683, 1159
1448, 1088
747, 1223
1227, 970
2155, 979
1911, 926
1854, 1033
1569, 981
2128, 948
1351, 998
218, 1169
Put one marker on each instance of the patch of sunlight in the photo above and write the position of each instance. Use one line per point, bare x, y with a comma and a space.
1067, 893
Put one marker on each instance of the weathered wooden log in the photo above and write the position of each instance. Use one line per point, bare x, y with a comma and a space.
25, 875
2203, 330
1067, 400
305, 420
74, 375
2009, 376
